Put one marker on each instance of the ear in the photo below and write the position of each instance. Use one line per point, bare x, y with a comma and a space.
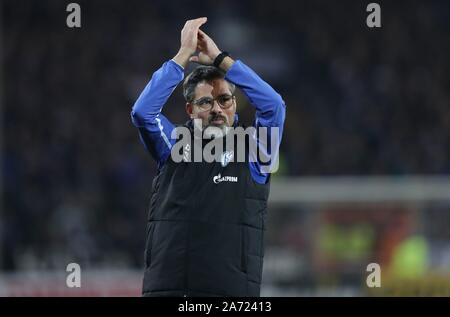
189, 109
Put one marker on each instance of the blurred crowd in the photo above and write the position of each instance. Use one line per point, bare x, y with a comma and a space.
76, 179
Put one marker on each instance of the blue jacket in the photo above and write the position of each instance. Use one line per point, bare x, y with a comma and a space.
155, 129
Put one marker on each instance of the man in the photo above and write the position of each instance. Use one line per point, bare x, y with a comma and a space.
206, 220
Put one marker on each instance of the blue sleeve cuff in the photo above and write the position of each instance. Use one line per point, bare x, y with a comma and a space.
181, 68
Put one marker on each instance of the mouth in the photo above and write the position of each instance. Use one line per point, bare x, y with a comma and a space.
217, 121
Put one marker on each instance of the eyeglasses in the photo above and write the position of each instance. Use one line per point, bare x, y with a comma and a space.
207, 103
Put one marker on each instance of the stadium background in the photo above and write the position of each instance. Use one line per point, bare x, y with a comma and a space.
364, 160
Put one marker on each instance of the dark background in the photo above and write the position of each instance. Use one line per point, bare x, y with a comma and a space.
76, 179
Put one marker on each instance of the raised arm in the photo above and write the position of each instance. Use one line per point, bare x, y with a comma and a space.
270, 114
155, 129
270, 107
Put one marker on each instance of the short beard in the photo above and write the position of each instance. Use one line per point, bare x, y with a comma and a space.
213, 131
210, 131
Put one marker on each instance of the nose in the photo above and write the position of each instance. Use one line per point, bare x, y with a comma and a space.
216, 107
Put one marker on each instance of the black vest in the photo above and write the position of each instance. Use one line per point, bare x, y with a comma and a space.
205, 232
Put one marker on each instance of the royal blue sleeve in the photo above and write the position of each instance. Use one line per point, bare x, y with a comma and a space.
270, 113
155, 129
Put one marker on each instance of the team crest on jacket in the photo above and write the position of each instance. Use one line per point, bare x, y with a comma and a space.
226, 158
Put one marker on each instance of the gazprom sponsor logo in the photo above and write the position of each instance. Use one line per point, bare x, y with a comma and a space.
219, 179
